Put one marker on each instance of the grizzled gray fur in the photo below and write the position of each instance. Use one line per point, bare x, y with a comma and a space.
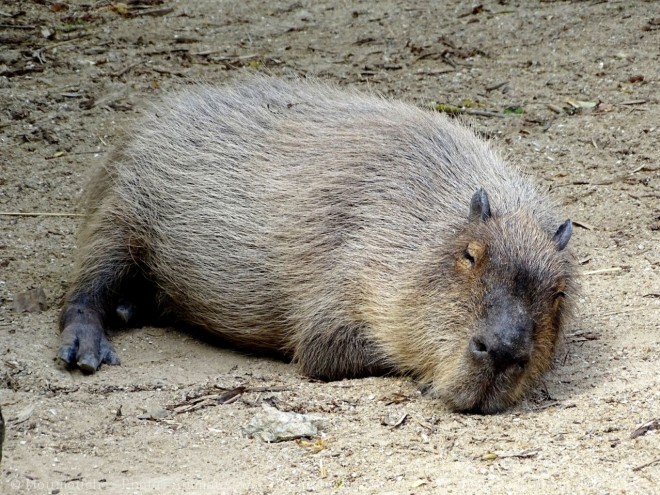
353, 234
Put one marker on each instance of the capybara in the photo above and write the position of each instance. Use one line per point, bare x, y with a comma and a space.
353, 234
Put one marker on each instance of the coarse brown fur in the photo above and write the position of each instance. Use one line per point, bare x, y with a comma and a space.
327, 225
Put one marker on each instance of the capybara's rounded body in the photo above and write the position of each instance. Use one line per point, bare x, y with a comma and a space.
354, 234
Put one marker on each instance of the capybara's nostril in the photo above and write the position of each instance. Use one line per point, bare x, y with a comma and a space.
501, 355
504, 355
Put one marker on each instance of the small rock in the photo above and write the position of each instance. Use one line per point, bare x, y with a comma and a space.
156, 415
10, 57
273, 425
23, 415
31, 301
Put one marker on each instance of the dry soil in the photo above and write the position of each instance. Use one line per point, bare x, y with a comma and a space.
585, 75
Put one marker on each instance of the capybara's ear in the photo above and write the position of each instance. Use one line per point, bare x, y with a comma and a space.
479, 206
563, 234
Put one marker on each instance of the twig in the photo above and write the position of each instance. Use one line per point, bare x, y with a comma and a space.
623, 311
654, 424
654, 461
493, 87
16, 26
162, 51
584, 225
434, 72
231, 57
163, 70
603, 270
38, 214
227, 397
585, 335
399, 422
454, 110
558, 404
645, 168
126, 69
525, 454
153, 13
483, 113
64, 42
546, 405
267, 389
63, 155
438, 55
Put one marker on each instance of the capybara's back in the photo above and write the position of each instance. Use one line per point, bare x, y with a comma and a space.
355, 234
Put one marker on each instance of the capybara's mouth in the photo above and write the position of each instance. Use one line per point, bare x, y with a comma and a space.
485, 392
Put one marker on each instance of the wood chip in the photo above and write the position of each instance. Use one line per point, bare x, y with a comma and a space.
603, 270
654, 424
584, 225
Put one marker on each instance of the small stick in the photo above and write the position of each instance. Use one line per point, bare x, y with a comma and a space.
400, 421
64, 42
242, 57
604, 270
525, 454
623, 311
64, 155
163, 70
584, 225
483, 113
154, 13
38, 214
267, 389
493, 87
126, 69
654, 461
16, 26
546, 405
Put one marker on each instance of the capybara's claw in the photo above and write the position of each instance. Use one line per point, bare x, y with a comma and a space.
109, 356
67, 353
88, 363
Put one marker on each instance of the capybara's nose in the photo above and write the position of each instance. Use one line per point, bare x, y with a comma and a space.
501, 353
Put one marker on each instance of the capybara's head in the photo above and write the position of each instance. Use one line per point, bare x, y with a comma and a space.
493, 311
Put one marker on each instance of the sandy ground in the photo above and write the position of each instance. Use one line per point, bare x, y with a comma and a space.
73, 75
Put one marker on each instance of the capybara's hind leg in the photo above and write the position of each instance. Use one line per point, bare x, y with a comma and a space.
104, 265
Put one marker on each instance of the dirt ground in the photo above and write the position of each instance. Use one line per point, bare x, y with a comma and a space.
585, 76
